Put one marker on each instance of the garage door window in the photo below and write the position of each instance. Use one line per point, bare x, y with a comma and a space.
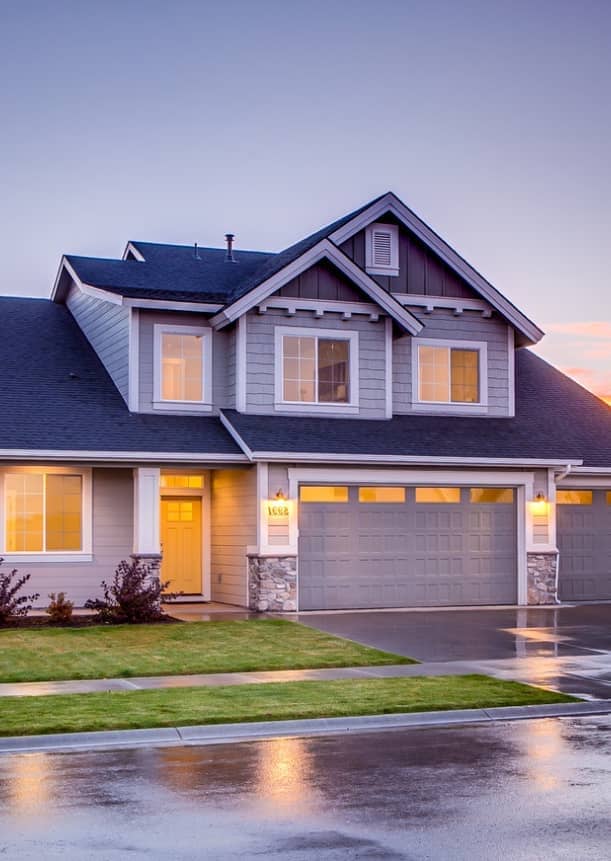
381, 494
574, 497
323, 493
502, 495
438, 494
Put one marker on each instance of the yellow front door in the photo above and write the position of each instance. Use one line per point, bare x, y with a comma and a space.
181, 540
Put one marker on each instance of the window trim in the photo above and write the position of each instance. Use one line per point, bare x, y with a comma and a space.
85, 554
352, 336
373, 268
480, 406
159, 403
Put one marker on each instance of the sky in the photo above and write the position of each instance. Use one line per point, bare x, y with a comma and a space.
179, 121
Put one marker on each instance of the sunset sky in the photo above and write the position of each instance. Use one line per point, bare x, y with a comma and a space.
179, 121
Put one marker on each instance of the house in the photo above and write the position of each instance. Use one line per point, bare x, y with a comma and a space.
356, 421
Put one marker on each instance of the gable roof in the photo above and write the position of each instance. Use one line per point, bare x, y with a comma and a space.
56, 396
556, 421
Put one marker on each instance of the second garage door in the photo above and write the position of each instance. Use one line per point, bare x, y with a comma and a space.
584, 542
362, 547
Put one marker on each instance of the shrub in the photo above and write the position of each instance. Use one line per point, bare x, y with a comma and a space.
12, 605
133, 596
60, 609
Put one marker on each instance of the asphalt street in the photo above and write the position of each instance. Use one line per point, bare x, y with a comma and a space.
521, 791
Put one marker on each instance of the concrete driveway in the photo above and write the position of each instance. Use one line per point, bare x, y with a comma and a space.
564, 648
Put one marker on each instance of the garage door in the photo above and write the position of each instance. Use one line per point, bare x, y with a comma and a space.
406, 547
584, 542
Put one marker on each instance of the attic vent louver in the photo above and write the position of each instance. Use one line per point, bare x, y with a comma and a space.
382, 248
229, 258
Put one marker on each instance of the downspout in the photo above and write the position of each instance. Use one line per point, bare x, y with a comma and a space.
557, 478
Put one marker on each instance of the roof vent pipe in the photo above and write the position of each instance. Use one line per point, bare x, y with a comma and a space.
196, 252
229, 258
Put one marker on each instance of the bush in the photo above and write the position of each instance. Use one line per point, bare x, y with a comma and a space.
133, 596
60, 609
12, 606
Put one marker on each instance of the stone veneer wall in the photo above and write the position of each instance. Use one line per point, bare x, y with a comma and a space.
272, 583
542, 569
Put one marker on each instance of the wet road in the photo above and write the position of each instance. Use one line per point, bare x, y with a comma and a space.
518, 791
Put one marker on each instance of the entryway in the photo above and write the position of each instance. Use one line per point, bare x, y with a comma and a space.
181, 542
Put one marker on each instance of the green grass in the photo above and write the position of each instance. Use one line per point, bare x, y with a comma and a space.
268, 701
51, 654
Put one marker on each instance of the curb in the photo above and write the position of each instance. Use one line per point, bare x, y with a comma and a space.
227, 733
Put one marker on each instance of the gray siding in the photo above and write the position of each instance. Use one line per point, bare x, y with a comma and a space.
220, 341
112, 497
420, 271
233, 530
106, 327
260, 359
322, 281
469, 326
230, 361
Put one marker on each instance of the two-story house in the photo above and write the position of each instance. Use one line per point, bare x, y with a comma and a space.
356, 421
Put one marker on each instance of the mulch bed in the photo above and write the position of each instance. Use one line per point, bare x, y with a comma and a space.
77, 622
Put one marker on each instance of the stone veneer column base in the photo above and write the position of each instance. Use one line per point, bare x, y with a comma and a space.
272, 584
542, 569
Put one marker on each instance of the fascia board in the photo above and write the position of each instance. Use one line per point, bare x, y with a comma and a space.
323, 249
391, 203
308, 457
118, 456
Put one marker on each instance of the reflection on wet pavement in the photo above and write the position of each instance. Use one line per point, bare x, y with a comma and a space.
527, 790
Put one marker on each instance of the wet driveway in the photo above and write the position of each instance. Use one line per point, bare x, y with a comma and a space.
565, 648
528, 790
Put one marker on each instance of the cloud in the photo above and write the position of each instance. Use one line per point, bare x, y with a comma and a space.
585, 328
582, 350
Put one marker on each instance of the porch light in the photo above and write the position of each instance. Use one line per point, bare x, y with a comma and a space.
538, 506
280, 495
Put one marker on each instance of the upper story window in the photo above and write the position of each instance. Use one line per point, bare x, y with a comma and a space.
183, 367
316, 368
45, 511
450, 373
382, 249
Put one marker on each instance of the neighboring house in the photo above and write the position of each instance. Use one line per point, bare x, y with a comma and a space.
356, 421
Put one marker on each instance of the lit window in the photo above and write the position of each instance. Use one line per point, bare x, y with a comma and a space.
448, 374
491, 494
43, 512
182, 481
315, 369
438, 494
182, 367
574, 497
323, 493
381, 494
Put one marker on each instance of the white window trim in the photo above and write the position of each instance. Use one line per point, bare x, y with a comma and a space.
352, 406
85, 554
450, 406
205, 405
373, 268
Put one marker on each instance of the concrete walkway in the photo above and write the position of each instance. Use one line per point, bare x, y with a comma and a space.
543, 672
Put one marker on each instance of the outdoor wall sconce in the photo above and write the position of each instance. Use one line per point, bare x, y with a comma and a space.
280, 496
278, 507
539, 505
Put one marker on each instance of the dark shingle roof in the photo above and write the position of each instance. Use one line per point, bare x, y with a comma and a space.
44, 407
555, 419
173, 272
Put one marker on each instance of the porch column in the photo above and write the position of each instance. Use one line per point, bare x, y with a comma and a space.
147, 547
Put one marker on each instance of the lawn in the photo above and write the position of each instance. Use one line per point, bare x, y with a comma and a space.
270, 701
51, 654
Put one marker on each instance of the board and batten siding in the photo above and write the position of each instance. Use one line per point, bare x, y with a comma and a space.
112, 540
221, 343
469, 326
261, 359
233, 519
106, 327
420, 270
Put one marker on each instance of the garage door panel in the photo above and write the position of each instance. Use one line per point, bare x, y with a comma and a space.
406, 554
584, 542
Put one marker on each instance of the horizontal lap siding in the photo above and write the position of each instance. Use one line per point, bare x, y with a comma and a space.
233, 530
148, 320
106, 327
261, 358
469, 326
112, 541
